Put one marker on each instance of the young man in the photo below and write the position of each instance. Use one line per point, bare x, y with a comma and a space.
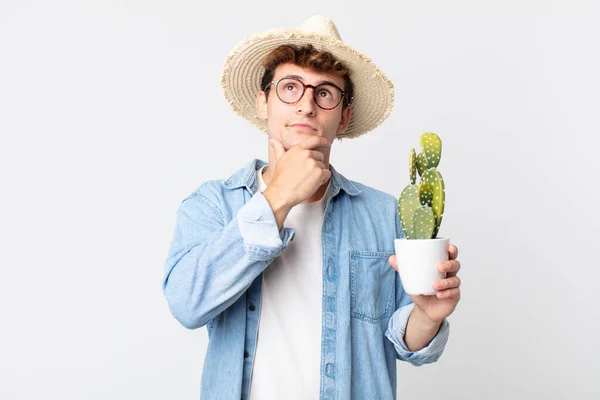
289, 264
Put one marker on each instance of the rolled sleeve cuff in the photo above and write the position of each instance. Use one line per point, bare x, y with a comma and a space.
430, 353
258, 227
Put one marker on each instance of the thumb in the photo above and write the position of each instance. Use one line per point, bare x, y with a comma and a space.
393, 262
278, 149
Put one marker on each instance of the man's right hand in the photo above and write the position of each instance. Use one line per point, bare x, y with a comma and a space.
296, 174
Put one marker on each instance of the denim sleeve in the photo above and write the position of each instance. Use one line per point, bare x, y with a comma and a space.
398, 321
258, 228
210, 262
429, 354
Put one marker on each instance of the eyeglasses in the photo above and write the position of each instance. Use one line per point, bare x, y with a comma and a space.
290, 90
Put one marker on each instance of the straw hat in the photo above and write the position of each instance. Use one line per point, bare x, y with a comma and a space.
242, 73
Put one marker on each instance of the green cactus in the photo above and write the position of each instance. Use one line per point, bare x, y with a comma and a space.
424, 222
412, 166
435, 183
425, 193
432, 148
407, 205
421, 163
421, 206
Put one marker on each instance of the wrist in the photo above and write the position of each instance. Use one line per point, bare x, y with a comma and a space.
423, 320
277, 202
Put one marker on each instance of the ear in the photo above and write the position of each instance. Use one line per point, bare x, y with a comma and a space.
346, 115
261, 105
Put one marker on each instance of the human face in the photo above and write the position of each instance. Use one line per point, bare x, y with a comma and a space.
292, 123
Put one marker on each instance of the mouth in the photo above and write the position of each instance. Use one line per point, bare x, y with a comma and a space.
303, 126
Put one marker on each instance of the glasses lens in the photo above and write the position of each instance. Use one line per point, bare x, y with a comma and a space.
289, 90
328, 96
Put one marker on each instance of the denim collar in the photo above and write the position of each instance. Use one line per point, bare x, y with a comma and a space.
246, 177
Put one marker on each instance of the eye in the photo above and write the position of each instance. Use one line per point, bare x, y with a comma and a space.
291, 86
324, 92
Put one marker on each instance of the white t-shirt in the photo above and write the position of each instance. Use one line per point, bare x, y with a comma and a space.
288, 352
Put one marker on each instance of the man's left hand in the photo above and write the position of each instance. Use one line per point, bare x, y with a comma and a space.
442, 304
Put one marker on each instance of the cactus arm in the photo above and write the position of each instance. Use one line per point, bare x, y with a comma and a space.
421, 164
434, 180
432, 148
424, 222
425, 193
407, 204
412, 166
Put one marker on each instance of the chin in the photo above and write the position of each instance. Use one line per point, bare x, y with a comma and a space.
293, 137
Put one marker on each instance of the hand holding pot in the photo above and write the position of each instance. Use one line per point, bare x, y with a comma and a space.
442, 304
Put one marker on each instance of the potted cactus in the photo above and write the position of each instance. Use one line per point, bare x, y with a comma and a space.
421, 208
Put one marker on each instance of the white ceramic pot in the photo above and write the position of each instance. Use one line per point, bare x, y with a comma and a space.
418, 261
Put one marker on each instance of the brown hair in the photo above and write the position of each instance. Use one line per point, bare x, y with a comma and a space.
306, 56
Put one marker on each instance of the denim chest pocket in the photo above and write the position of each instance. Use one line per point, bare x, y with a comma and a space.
373, 284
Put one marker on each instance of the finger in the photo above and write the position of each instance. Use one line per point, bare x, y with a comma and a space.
449, 294
317, 155
278, 148
450, 267
393, 262
314, 142
452, 252
272, 157
325, 174
448, 283
272, 166
320, 165
276, 151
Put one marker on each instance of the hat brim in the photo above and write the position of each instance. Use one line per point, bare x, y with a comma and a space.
242, 73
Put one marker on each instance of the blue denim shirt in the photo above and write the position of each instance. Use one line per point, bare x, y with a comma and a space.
226, 235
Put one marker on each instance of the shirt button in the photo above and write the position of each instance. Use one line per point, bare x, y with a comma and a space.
329, 369
252, 308
246, 354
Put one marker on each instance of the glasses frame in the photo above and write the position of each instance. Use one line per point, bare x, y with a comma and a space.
313, 87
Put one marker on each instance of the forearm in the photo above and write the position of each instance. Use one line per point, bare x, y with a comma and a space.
210, 265
206, 278
420, 330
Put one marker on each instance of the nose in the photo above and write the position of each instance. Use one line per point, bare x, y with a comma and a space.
306, 105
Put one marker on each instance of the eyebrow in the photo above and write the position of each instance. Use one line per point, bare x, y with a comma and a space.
302, 79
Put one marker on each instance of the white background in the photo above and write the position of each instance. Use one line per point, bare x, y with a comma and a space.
111, 113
